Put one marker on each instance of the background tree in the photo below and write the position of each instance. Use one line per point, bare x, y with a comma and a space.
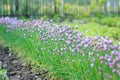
17, 7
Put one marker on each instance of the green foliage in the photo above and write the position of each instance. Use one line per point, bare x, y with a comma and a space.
3, 73
56, 18
111, 21
101, 2
98, 15
58, 2
70, 10
94, 27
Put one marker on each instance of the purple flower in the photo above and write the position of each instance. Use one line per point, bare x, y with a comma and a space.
91, 53
87, 39
65, 48
116, 46
108, 42
99, 45
105, 47
68, 42
91, 65
108, 76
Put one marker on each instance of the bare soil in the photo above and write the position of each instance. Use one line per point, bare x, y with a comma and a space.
16, 69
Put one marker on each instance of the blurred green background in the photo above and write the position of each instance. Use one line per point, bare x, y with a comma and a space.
59, 8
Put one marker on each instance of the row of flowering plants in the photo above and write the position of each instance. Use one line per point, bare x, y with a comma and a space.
65, 53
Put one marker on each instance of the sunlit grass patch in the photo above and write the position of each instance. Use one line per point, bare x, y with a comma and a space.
94, 29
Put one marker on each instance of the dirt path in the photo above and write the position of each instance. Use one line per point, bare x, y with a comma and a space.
17, 70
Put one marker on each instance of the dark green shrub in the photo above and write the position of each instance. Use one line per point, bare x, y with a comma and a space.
111, 21
108, 21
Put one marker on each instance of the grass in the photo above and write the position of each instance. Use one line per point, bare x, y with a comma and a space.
94, 29
42, 47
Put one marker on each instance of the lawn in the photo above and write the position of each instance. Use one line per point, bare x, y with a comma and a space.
92, 28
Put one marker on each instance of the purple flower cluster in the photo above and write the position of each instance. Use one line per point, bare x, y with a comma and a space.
64, 40
11, 22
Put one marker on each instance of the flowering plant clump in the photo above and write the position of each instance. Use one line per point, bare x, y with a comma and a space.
68, 53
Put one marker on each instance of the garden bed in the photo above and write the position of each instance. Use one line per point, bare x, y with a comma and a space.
66, 53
